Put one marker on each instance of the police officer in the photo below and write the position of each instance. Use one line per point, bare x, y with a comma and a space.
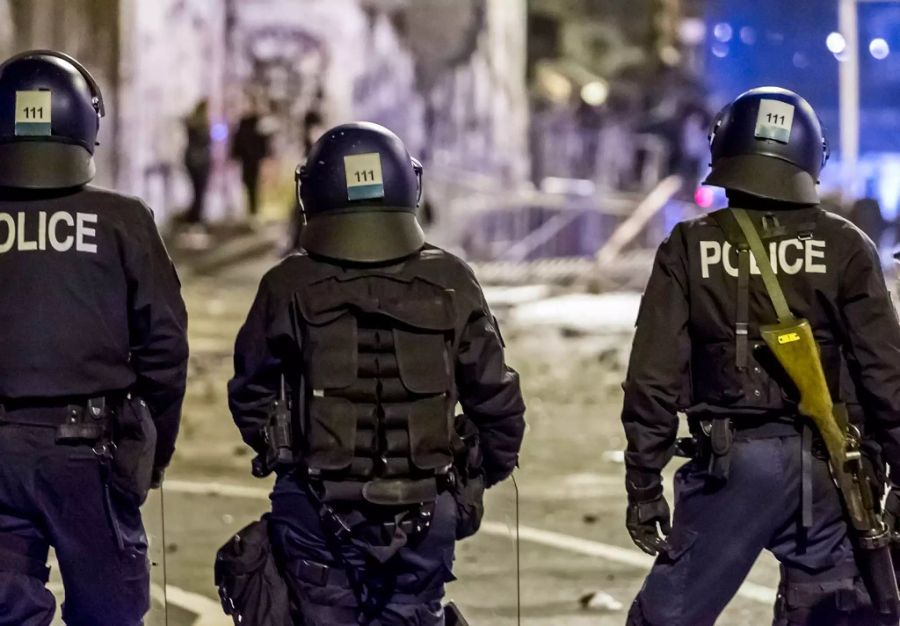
759, 480
377, 335
93, 357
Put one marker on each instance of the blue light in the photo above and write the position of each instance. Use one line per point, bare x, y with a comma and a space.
879, 48
836, 43
748, 35
801, 61
219, 132
720, 50
723, 31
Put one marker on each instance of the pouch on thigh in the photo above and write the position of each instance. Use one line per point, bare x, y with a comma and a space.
814, 603
321, 594
424, 614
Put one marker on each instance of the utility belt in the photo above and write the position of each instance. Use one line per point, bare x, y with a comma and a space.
379, 497
415, 495
118, 426
379, 516
714, 429
76, 419
718, 433
410, 520
713, 438
381, 491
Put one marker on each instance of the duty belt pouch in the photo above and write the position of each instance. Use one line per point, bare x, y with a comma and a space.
469, 485
134, 436
84, 423
720, 435
251, 587
469, 496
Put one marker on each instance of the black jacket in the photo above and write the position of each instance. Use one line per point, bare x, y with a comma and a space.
684, 346
269, 345
90, 303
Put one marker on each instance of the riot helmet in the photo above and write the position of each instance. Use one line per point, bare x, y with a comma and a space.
359, 190
768, 143
50, 110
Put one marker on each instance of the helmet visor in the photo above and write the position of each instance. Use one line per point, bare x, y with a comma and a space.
363, 236
765, 177
45, 165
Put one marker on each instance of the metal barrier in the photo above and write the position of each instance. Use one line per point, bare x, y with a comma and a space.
571, 233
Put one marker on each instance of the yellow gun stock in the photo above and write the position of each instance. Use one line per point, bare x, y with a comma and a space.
794, 346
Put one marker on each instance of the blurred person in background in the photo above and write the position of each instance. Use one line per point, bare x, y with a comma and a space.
198, 159
866, 215
590, 119
376, 335
92, 374
313, 122
759, 477
833, 203
250, 147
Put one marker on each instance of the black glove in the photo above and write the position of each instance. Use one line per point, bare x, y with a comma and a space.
157, 478
648, 511
892, 513
642, 520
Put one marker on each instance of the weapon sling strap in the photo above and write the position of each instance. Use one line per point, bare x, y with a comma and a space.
773, 287
750, 238
742, 312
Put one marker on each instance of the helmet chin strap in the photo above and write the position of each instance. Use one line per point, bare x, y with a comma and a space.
418, 169
298, 179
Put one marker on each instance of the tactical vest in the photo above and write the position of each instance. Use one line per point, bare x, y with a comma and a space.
742, 373
378, 379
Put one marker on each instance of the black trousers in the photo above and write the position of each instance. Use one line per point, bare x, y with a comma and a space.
57, 495
718, 531
199, 182
250, 178
405, 591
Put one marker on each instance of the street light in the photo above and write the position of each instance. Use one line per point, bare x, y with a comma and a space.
879, 48
848, 76
836, 43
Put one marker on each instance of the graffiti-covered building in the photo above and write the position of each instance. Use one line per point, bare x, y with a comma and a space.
448, 76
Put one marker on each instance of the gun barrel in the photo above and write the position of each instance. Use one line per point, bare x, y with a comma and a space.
877, 569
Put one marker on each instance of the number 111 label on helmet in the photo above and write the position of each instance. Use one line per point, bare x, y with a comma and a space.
364, 178
775, 120
33, 113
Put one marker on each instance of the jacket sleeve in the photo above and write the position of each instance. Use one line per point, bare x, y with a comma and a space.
658, 369
157, 322
261, 353
490, 394
873, 338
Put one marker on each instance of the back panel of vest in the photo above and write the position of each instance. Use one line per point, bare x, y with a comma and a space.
378, 377
754, 380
